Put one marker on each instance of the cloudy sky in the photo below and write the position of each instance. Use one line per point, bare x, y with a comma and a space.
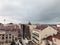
35, 11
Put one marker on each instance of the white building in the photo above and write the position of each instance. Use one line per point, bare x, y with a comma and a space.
39, 35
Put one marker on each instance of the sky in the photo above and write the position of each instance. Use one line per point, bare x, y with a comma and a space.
35, 11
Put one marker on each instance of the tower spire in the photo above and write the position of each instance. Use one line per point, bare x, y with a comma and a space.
29, 23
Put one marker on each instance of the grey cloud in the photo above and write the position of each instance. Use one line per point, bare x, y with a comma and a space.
36, 11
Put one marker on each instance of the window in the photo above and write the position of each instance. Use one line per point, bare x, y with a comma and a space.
15, 38
33, 41
6, 37
9, 37
3, 35
35, 38
2, 38
36, 34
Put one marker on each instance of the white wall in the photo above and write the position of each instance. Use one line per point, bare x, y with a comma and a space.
49, 31
56, 41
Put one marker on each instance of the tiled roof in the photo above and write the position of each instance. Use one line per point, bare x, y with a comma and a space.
9, 27
49, 38
56, 28
41, 27
57, 36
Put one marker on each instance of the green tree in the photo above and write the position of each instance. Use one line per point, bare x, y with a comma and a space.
13, 42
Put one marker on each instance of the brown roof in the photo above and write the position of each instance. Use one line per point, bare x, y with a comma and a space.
56, 28
41, 27
49, 38
57, 36
9, 27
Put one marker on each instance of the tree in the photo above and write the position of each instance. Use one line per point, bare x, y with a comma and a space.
13, 42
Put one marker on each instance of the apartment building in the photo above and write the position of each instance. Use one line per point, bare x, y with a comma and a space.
32, 27
40, 34
26, 31
55, 39
36, 39
8, 32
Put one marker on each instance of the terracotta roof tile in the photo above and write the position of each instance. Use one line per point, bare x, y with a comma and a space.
49, 38
57, 36
41, 27
12, 27
56, 28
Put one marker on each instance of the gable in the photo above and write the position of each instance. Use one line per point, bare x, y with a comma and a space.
49, 31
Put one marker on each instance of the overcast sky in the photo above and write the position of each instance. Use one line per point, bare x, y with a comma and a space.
35, 11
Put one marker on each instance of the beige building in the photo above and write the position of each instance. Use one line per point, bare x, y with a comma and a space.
36, 36
2, 37
32, 27
8, 32
39, 36
55, 39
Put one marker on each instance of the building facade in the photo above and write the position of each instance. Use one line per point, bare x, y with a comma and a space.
8, 32
39, 37
26, 32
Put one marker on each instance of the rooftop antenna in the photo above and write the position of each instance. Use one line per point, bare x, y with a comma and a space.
4, 21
